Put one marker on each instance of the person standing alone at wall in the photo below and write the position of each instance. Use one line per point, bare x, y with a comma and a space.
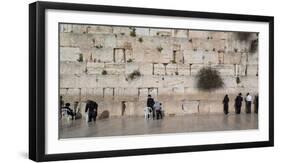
150, 103
238, 103
248, 100
225, 104
256, 102
92, 109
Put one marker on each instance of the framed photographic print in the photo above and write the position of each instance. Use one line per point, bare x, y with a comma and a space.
108, 81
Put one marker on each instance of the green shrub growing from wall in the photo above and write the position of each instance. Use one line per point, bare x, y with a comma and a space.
134, 74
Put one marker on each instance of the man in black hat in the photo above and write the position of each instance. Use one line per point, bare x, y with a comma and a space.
238, 103
150, 103
92, 109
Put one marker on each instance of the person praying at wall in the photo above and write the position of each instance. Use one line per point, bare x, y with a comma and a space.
92, 109
238, 103
225, 104
256, 102
157, 107
248, 100
150, 103
68, 111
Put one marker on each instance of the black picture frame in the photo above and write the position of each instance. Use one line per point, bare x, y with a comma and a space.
37, 81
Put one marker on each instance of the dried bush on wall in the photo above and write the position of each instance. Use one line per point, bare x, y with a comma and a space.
209, 79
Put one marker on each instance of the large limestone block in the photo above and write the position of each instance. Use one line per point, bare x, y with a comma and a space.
91, 94
126, 94
102, 54
183, 69
179, 44
252, 70
70, 54
67, 40
115, 68
172, 108
108, 94
100, 29
190, 107
143, 93
104, 41
87, 81
229, 81
125, 42
143, 68
219, 35
216, 106
95, 68
72, 67
82, 29
131, 67
204, 107
69, 81
110, 81
248, 82
146, 68
210, 58
178, 91
253, 58
181, 33
159, 69
150, 81
232, 58
174, 81
165, 92
172, 69
142, 31
238, 45
193, 57
83, 41
198, 34
122, 30
160, 32
139, 108
225, 69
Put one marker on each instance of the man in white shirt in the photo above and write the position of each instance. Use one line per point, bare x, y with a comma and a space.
248, 103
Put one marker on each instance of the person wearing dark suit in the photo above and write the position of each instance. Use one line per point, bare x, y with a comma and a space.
238, 103
150, 103
225, 104
92, 109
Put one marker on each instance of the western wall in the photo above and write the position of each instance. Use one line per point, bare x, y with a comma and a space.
119, 66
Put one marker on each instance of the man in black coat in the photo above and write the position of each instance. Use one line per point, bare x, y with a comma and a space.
225, 104
92, 109
150, 103
238, 103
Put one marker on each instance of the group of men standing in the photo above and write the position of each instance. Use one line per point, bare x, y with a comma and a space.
238, 103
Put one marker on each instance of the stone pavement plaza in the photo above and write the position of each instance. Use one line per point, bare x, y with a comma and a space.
139, 126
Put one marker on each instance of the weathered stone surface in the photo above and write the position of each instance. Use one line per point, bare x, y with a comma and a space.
70, 54
72, 67
102, 54
190, 107
96, 63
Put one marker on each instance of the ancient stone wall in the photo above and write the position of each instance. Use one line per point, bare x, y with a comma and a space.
119, 66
